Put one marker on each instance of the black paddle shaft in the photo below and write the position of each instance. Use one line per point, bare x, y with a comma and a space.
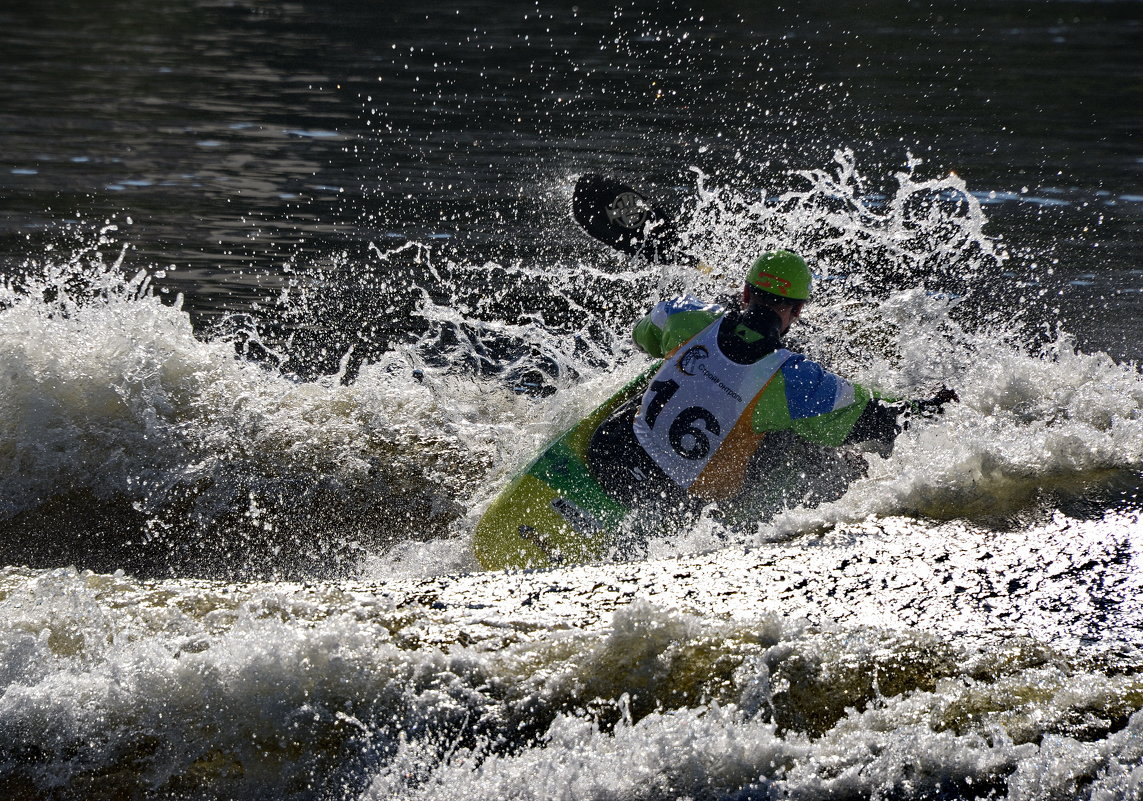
618, 216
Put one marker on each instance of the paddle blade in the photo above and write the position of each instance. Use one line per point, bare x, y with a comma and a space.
620, 217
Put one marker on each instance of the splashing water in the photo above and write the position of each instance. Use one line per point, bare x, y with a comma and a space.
108, 394
856, 647
111, 400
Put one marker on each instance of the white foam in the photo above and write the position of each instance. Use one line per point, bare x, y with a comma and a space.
423, 690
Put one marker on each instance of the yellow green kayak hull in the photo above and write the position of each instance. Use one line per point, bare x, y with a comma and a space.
554, 512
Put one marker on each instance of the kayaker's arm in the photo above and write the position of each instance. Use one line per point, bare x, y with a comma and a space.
823, 408
671, 323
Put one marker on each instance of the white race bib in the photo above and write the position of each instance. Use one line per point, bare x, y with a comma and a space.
694, 401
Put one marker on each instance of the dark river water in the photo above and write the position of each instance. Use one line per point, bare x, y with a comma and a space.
290, 290
239, 137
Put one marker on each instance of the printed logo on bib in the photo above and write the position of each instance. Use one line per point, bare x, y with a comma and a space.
688, 363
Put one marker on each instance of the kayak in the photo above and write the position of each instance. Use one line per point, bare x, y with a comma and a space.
554, 512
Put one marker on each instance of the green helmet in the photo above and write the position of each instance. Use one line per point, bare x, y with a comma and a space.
782, 273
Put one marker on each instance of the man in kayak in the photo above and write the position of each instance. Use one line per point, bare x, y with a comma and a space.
728, 399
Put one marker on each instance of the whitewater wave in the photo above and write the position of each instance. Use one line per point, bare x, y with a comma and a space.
778, 671
126, 432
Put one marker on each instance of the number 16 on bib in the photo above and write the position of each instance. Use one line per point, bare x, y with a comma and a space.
694, 402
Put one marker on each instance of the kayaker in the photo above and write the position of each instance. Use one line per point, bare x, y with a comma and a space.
728, 395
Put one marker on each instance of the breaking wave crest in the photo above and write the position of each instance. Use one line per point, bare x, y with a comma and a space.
257, 445
416, 691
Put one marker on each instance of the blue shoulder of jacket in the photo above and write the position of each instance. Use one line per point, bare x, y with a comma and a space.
812, 390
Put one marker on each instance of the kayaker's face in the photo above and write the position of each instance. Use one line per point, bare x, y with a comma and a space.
786, 313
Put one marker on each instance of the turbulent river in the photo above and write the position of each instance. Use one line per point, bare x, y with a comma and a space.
290, 292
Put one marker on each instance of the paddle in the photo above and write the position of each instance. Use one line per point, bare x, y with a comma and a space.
622, 218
